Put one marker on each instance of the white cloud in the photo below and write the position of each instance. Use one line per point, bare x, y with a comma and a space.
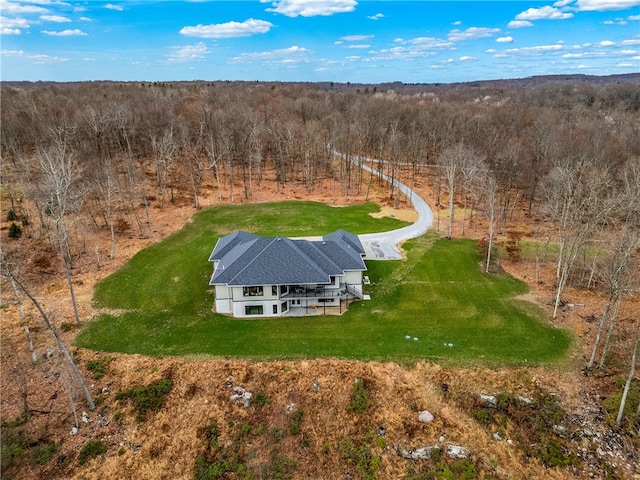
65, 33
377, 16
228, 30
12, 7
604, 5
467, 58
414, 48
543, 13
472, 33
519, 24
507, 39
357, 45
310, 8
356, 38
111, 6
54, 18
35, 57
12, 26
633, 18
188, 53
527, 51
292, 54
617, 21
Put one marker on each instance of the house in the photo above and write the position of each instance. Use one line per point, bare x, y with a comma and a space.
258, 276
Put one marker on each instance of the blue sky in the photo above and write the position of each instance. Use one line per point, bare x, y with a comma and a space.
316, 40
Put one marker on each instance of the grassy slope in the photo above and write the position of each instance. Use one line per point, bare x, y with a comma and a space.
438, 295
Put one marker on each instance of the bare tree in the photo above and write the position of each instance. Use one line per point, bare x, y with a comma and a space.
8, 274
164, 151
61, 177
578, 200
620, 281
491, 199
627, 385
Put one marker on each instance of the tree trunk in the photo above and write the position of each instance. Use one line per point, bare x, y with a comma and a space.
61, 345
62, 240
627, 385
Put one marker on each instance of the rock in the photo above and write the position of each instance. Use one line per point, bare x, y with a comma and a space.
315, 385
240, 395
382, 431
456, 451
422, 453
73, 431
425, 416
289, 408
85, 418
489, 401
525, 400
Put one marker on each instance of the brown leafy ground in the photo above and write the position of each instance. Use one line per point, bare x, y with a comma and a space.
167, 443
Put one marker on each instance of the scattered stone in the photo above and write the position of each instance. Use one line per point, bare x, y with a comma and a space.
425, 416
73, 431
240, 395
456, 451
382, 431
415, 339
289, 407
525, 400
560, 429
414, 454
85, 417
497, 436
489, 400
315, 385
441, 438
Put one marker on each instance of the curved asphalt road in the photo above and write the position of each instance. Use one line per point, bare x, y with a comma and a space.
384, 245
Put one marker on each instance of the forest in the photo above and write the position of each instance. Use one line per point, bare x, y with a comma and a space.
551, 167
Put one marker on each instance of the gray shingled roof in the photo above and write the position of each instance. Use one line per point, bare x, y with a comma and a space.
245, 259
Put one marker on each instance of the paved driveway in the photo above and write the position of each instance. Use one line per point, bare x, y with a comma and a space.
384, 245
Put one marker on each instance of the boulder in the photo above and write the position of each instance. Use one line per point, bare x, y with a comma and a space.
425, 416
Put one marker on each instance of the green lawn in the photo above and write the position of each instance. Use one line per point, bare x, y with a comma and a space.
438, 295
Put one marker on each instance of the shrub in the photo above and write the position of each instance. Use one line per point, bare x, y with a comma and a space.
92, 449
360, 398
11, 215
148, 398
15, 231
67, 326
296, 418
98, 368
11, 447
261, 399
43, 453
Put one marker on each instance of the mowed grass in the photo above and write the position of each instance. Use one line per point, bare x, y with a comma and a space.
437, 304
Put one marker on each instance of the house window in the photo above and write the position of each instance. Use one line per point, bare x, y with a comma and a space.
284, 306
275, 309
274, 290
253, 310
284, 289
253, 291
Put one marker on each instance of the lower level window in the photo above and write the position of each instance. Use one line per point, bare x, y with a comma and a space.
253, 310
